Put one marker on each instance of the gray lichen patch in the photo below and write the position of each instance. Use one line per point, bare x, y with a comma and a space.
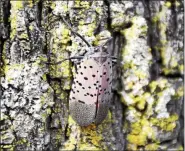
136, 57
25, 99
169, 36
120, 15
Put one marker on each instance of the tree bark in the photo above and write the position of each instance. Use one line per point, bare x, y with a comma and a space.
146, 111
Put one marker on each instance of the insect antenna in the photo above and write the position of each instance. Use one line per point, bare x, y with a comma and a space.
67, 24
59, 62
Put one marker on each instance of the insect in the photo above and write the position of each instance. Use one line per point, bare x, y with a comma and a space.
90, 95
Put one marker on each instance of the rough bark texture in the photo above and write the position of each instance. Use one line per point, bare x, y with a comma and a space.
146, 111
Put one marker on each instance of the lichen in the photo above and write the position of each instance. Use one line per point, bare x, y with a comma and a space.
143, 105
180, 148
166, 47
8, 147
73, 132
153, 146
167, 124
168, 4
15, 7
140, 132
90, 138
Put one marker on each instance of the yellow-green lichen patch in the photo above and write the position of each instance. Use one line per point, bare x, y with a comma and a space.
71, 121
73, 132
138, 27
160, 83
90, 138
180, 148
86, 146
163, 91
10, 71
21, 141
153, 147
61, 38
8, 147
177, 3
179, 92
85, 4
141, 126
53, 5
4, 60
168, 4
23, 36
99, 10
31, 27
140, 132
181, 68
137, 101
16, 6
118, 21
167, 124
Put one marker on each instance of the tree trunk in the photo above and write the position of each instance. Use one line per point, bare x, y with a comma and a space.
146, 111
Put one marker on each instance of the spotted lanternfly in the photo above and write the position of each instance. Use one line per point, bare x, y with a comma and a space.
90, 95
91, 89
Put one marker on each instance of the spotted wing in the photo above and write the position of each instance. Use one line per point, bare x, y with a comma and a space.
104, 90
83, 96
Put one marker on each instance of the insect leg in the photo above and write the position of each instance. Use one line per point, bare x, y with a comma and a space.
59, 62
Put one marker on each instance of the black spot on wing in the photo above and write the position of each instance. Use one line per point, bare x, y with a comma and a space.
85, 78
81, 102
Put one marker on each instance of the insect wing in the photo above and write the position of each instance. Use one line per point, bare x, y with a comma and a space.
83, 95
104, 90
